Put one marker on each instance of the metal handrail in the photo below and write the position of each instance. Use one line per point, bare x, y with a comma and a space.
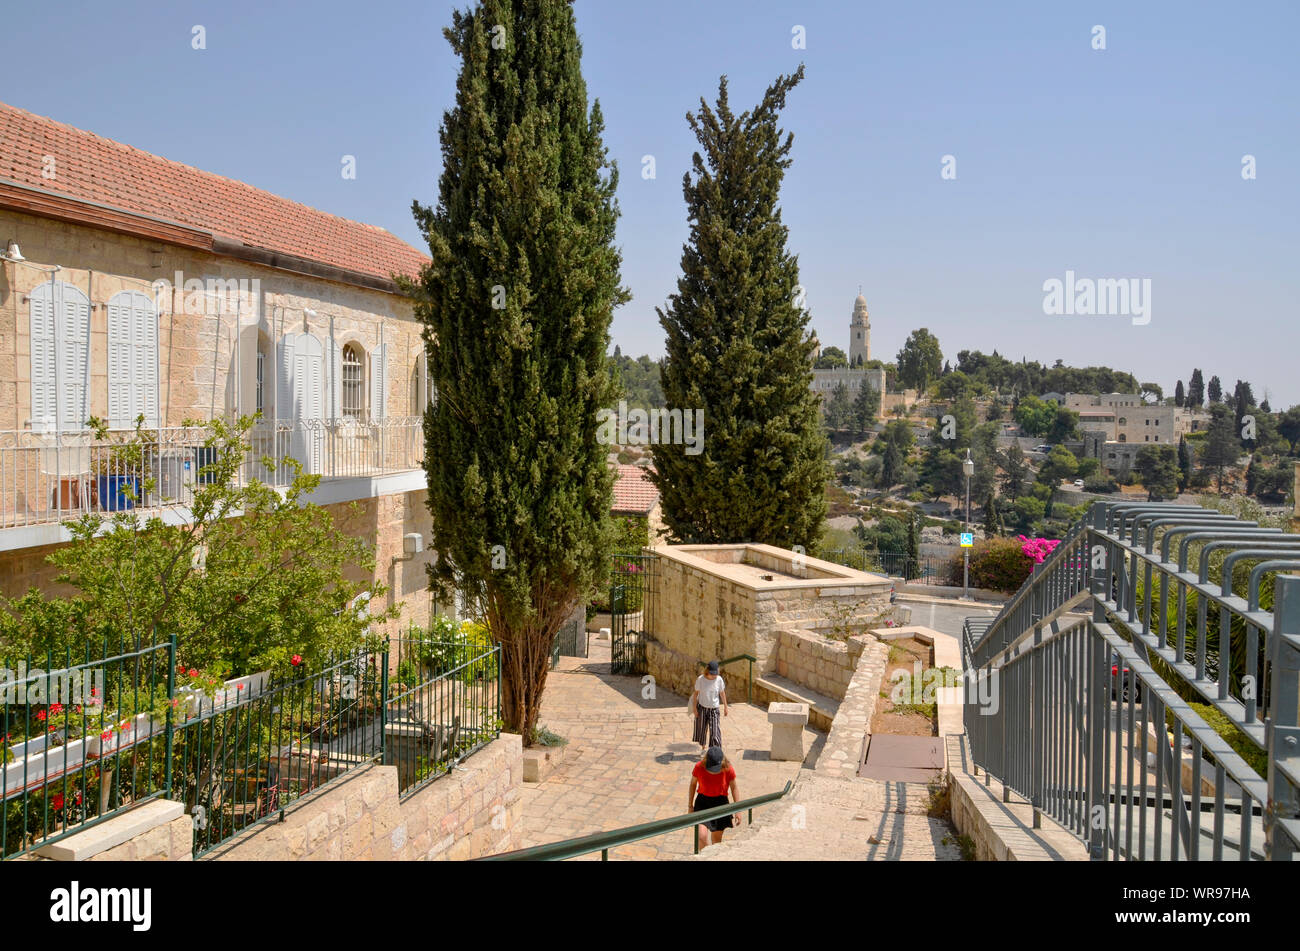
602, 842
749, 687
1059, 722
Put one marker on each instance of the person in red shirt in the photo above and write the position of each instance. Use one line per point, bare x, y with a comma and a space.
713, 783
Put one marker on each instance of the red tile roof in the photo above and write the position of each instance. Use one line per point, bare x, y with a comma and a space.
94, 169
634, 493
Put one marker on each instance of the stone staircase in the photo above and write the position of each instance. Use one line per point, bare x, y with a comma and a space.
831, 819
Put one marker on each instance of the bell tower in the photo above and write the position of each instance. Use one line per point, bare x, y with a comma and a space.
859, 333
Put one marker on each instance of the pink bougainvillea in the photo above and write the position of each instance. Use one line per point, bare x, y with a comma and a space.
1037, 548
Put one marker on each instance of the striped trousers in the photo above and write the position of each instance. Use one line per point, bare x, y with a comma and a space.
708, 725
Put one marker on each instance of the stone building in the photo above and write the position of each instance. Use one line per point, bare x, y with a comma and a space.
854, 376
132, 285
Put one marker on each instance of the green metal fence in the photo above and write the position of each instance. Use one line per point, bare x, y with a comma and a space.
895, 564
631, 605
123, 731
240, 760
82, 738
444, 705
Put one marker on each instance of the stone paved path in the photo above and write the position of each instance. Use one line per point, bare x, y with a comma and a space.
629, 759
830, 819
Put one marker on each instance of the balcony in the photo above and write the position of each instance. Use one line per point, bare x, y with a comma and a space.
50, 478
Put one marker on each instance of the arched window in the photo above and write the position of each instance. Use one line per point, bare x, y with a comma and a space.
354, 391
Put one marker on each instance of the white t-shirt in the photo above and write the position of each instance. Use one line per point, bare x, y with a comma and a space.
710, 691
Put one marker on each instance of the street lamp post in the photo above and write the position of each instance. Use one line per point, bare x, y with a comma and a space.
968, 467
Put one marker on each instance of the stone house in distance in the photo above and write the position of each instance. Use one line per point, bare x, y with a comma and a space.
133, 285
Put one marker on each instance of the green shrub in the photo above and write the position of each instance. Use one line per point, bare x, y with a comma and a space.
996, 564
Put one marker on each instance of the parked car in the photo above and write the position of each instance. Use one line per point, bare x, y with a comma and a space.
1046, 447
1078, 483
1122, 685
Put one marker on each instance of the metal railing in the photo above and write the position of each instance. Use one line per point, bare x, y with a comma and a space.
82, 738
895, 564
1106, 695
602, 842
749, 683
443, 703
236, 754
47, 478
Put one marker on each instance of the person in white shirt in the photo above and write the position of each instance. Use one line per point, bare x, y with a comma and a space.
709, 697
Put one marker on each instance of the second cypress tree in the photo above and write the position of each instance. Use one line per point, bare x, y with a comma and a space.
739, 347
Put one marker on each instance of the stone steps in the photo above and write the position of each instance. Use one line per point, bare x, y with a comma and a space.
831, 819
773, 688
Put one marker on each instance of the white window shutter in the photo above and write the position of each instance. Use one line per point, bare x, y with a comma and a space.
132, 360
146, 348
284, 405
379, 382
74, 356
119, 362
44, 355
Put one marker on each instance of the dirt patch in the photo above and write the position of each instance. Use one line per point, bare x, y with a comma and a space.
905, 719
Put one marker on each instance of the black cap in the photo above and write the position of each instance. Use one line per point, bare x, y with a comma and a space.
713, 759
713, 666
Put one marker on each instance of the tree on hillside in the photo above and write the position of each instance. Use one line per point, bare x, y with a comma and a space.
1060, 466
838, 407
1152, 392
1157, 468
920, 361
1015, 472
1184, 464
738, 346
992, 518
865, 407
516, 305
1180, 395
1215, 391
832, 358
1196, 390
1222, 447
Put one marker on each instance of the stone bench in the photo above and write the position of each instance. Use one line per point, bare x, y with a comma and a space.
788, 721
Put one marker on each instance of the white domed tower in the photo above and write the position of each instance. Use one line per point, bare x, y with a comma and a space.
859, 333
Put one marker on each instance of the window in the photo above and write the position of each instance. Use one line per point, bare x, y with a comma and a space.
60, 350
354, 394
132, 360
260, 380
1123, 421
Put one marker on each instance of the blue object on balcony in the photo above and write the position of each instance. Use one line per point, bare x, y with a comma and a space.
113, 492
204, 456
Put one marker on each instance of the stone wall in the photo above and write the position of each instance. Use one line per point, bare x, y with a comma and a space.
711, 605
173, 842
207, 360
471, 812
820, 663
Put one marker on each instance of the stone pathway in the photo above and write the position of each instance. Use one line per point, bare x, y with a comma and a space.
832, 819
629, 759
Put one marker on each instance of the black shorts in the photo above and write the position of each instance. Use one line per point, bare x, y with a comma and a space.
703, 802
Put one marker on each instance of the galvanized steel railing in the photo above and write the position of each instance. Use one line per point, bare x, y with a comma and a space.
1080, 692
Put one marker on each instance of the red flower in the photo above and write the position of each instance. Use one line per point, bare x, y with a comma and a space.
193, 672
40, 715
56, 708
106, 735
296, 660
78, 797
57, 802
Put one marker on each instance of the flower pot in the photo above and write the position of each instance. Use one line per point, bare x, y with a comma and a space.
112, 492
40, 769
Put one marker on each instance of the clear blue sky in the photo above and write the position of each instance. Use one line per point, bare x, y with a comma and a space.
1119, 163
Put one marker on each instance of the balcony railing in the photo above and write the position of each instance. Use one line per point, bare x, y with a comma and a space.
47, 478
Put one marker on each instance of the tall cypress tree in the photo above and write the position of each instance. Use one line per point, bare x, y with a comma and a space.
738, 344
516, 306
1196, 390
